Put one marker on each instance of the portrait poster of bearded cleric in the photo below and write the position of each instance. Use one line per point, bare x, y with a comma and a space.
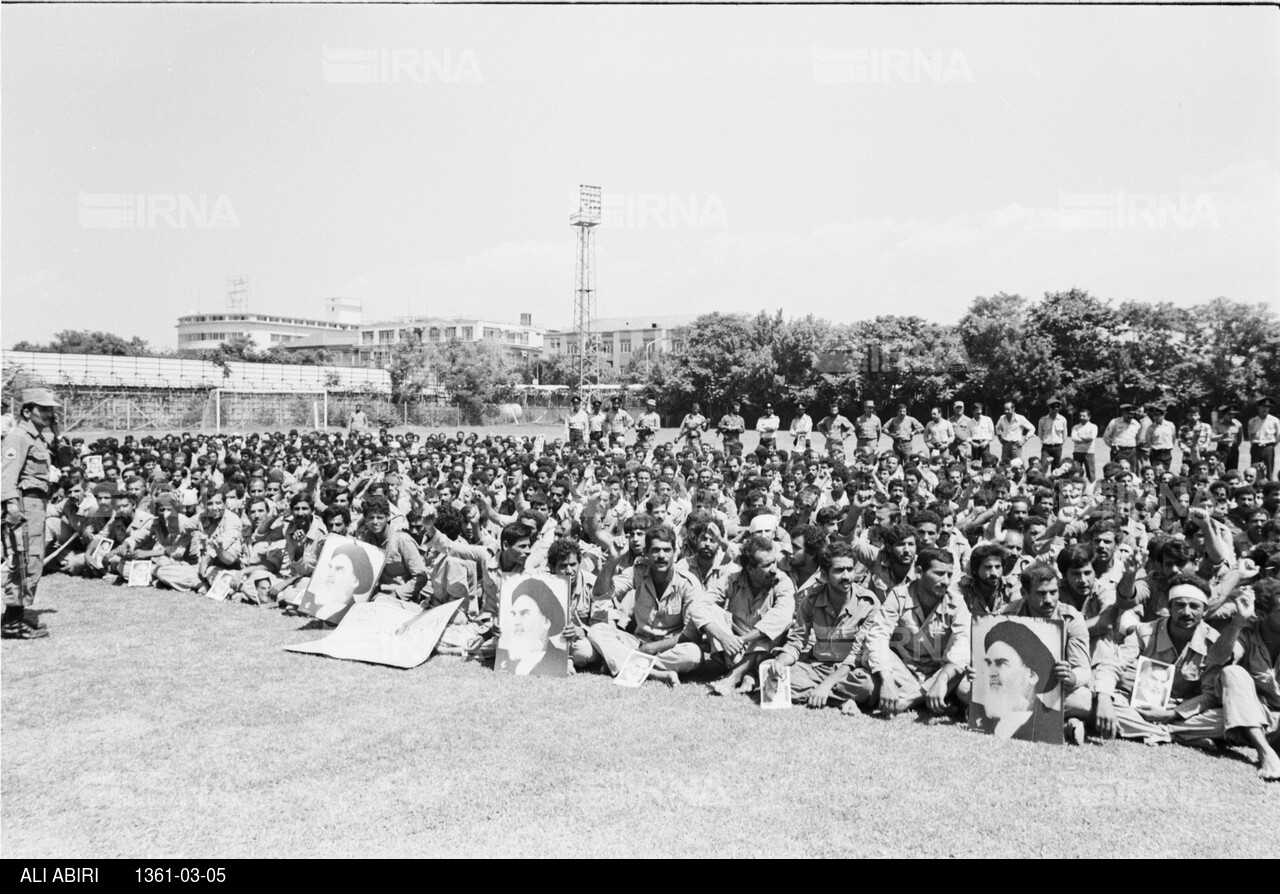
1015, 693
532, 613
346, 572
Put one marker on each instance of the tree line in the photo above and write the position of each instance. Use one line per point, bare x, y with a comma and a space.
1088, 352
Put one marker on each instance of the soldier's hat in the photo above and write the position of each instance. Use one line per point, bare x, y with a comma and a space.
40, 397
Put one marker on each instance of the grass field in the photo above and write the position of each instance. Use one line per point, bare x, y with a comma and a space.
155, 724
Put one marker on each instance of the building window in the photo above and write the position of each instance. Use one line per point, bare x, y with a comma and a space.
466, 333
366, 338
607, 347
386, 335
451, 332
435, 333
624, 346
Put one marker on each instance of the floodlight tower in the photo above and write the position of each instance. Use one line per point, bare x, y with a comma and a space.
238, 293
587, 362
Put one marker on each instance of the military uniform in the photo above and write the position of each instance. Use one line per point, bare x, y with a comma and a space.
24, 489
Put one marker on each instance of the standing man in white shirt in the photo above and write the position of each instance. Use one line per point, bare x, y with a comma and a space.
1121, 436
1159, 437
1013, 429
801, 428
767, 427
1052, 432
983, 431
1084, 446
1264, 431
576, 423
939, 434
962, 426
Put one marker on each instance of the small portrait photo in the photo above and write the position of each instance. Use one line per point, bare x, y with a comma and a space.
139, 573
1152, 685
775, 686
531, 618
635, 670
221, 588
347, 572
93, 467
1015, 695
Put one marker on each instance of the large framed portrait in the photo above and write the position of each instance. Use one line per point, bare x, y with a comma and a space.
1015, 695
532, 613
347, 572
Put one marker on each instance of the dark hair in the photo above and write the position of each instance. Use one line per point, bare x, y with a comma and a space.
659, 532
561, 549
1074, 557
925, 517
984, 551
514, 533
895, 534
340, 511
1035, 574
840, 549
815, 540
928, 557
1178, 550
450, 521
377, 505
638, 522
751, 547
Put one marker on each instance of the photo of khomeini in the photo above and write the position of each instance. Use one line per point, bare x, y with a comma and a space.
1015, 695
531, 618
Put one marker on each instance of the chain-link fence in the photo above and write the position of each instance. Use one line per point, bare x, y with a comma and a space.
208, 410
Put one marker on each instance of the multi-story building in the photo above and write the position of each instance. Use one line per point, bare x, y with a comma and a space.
373, 342
199, 332
206, 331
622, 338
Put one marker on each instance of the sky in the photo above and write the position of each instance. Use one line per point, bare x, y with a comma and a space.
843, 162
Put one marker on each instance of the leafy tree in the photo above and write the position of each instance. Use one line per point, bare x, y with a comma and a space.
724, 359
472, 373
85, 341
1236, 349
410, 369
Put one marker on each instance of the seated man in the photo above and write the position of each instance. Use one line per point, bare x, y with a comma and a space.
918, 646
1093, 599
756, 604
1180, 639
565, 559
404, 573
986, 590
173, 542
891, 565
709, 558
829, 633
1242, 689
478, 634
648, 610
127, 524
1040, 599
635, 528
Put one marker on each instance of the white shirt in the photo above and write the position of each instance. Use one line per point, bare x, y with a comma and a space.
1083, 437
983, 430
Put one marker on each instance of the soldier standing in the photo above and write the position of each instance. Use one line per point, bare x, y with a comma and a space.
24, 489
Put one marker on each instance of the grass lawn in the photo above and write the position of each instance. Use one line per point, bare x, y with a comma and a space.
155, 724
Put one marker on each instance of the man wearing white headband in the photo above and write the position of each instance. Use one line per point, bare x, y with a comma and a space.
1207, 700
